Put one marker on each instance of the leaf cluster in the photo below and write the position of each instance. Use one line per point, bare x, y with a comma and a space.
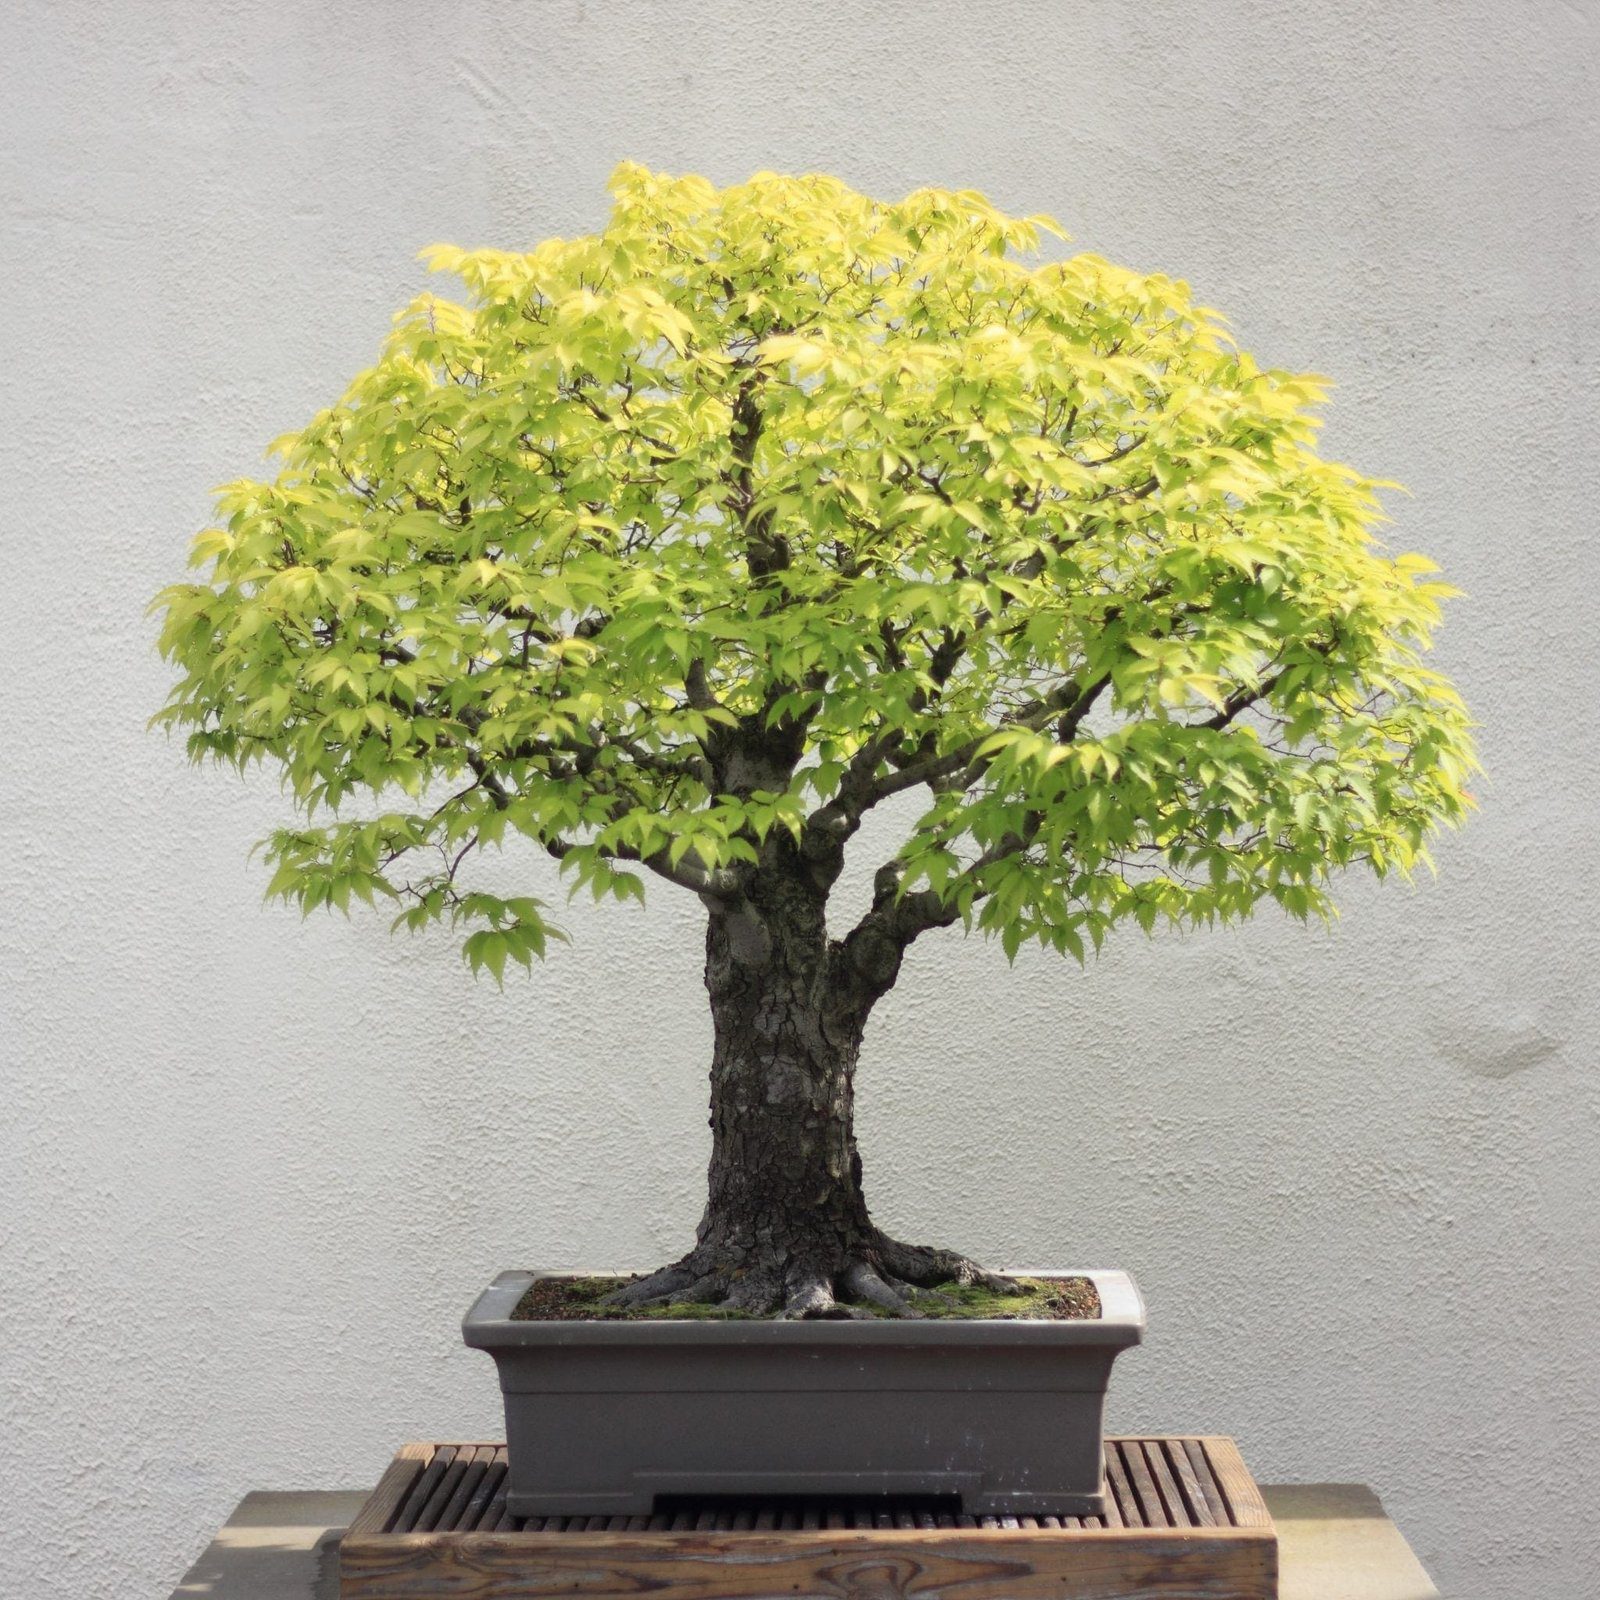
678, 547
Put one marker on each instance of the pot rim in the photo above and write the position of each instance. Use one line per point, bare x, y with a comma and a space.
1121, 1323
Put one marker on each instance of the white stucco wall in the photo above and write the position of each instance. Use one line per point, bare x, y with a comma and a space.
253, 1170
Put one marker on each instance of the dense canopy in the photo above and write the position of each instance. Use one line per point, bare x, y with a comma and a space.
719, 527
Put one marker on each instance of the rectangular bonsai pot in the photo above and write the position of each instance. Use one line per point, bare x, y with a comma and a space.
604, 1417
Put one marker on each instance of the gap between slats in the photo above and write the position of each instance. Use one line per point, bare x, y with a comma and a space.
461, 1490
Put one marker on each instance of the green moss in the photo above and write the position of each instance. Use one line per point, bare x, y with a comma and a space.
691, 1311
1034, 1297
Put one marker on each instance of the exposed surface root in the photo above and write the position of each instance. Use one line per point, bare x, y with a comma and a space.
677, 1282
926, 1266
862, 1283
810, 1297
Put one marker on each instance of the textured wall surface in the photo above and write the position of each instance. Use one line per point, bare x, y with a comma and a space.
255, 1169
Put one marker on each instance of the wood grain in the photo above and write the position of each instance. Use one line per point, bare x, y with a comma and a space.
1245, 1504
848, 1565
378, 1513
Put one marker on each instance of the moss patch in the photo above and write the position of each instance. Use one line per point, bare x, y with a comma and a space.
578, 1300
1062, 1299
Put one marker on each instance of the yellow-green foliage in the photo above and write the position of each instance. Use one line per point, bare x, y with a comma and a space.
1031, 538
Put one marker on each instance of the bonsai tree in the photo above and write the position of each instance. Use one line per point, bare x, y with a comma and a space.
679, 548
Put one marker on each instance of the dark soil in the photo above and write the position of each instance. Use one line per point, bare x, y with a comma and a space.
578, 1300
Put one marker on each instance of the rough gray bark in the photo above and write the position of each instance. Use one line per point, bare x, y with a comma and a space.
786, 1226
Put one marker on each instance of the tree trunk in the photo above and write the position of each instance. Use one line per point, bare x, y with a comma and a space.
785, 1226
784, 1192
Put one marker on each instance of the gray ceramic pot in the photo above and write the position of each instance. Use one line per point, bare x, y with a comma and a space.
604, 1417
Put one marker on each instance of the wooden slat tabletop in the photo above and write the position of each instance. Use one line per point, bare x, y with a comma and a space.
1184, 1519
1154, 1483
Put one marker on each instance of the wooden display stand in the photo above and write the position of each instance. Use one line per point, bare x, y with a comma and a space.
1183, 1518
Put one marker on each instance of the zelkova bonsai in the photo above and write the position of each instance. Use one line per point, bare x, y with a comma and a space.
681, 547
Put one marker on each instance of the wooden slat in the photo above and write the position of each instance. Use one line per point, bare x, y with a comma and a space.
494, 1513
1166, 1484
405, 1519
1118, 1489
1245, 1504
477, 1466
1215, 1499
1111, 1517
397, 1481
1150, 1502
444, 1491
1194, 1496
490, 1484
